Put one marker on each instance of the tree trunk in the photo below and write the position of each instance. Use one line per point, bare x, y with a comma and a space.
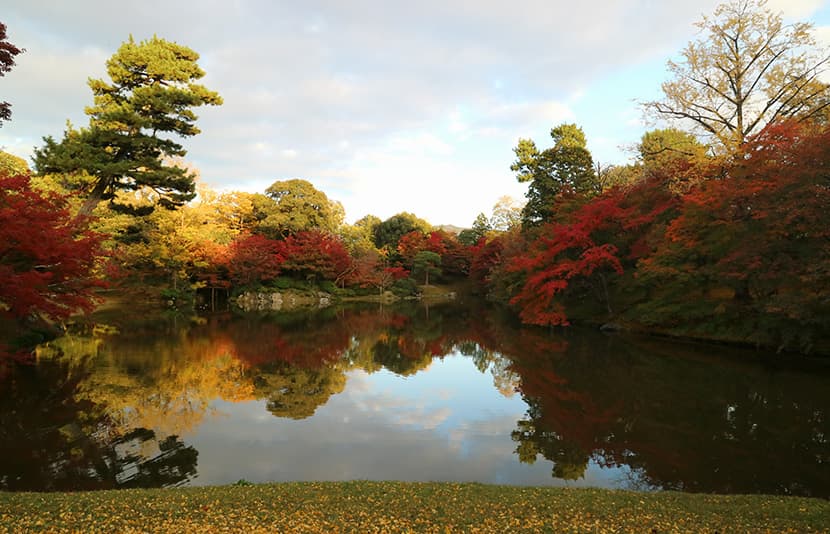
605, 293
94, 198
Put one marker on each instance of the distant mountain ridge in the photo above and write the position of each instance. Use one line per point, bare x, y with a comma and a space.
450, 228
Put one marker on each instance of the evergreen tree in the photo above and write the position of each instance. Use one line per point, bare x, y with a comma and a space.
152, 92
566, 167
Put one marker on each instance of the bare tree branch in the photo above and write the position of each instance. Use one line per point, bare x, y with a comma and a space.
746, 70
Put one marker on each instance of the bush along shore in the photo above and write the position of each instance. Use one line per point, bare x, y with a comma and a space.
364, 506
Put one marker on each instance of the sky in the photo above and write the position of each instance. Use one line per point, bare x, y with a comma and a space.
385, 106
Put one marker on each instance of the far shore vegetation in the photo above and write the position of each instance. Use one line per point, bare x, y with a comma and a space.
717, 231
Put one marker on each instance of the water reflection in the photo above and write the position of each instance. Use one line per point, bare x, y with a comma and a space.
54, 438
401, 393
677, 420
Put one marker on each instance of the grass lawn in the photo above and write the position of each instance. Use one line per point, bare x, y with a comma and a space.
405, 507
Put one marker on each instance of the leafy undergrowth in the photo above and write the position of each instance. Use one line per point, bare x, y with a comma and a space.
405, 507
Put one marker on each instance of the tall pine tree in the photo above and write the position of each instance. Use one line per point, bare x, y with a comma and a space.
151, 93
565, 168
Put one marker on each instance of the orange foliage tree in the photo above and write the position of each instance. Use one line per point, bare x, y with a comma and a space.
749, 254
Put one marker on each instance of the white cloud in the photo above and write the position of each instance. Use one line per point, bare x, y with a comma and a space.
387, 106
795, 9
822, 35
417, 144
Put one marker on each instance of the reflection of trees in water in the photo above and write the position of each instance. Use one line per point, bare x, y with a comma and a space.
172, 464
54, 441
675, 420
300, 364
667, 416
296, 392
504, 379
163, 383
569, 459
397, 354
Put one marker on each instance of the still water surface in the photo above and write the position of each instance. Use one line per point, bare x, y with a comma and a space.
452, 393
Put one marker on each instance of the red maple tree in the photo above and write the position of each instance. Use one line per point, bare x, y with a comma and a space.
596, 242
47, 256
316, 254
253, 258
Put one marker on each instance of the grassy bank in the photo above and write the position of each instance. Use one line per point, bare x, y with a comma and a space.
405, 507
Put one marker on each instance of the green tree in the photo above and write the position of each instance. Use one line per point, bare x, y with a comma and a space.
467, 237
296, 206
368, 223
609, 176
359, 237
426, 262
565, 168
390, 231
659, 147
152, 92
481, 226
671, 153
748, 69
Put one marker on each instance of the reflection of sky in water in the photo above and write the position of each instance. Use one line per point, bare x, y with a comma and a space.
445, 423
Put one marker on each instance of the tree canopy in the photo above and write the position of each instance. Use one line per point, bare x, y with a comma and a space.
426, 262
723, 241
152, 91
507, 214
481, 226
11, 165
747, 69
566, 167
7, 54
296, 205
46, 256
390, 231
672, 154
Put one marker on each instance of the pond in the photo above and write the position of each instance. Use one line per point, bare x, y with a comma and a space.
413, 392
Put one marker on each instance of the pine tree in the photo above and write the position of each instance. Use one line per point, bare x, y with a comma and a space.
151, 93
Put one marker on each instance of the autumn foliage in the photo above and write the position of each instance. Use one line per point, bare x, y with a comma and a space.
455, 257
600, 239
47, 256
740, 253
755, 244
316, 254
255, 258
